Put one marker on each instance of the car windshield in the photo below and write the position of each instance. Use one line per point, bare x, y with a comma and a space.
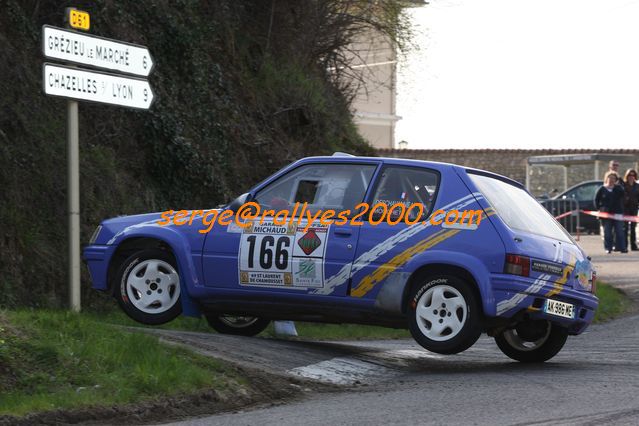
584, 192
518, 209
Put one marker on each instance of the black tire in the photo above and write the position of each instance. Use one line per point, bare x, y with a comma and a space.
124, 293
469, 324
508, 342
246, 326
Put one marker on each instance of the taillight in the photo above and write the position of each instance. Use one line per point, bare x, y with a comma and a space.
517, 265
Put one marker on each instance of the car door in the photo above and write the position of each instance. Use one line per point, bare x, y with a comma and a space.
282, 250
397, 189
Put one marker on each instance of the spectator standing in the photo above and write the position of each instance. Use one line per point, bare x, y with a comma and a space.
609, 199
631, 206
613, 166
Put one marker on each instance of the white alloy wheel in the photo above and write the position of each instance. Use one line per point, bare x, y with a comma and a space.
441, 312
153, 286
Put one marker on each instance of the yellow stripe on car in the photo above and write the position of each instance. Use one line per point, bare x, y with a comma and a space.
383, 271
558, 285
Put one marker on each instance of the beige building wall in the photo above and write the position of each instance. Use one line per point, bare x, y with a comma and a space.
512, 163
374, 61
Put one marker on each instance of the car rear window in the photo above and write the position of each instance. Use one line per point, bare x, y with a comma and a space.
518, 209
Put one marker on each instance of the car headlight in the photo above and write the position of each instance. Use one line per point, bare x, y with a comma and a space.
94, 237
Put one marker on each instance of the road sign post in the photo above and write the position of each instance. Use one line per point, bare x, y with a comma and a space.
77, 84
73, 182
73, 155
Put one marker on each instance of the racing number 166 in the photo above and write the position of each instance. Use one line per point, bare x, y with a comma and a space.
270, 251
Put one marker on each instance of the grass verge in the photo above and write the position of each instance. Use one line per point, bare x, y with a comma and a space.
59, 360
612, 303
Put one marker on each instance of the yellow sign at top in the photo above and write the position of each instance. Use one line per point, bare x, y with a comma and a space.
78, 19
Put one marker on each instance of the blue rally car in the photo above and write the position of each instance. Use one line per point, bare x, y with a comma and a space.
517, 275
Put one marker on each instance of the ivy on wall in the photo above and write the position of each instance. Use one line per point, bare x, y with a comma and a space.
233, 105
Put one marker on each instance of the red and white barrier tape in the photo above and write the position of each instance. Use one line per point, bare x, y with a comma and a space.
615, 216
602, 215
565, 214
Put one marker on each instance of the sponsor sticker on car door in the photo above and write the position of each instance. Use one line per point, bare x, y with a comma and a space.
273, 255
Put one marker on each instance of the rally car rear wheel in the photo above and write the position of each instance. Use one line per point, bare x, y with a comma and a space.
444, 314
532, 341
148, 287
238, 325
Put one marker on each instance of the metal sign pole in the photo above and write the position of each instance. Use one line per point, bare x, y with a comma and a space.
73, 182
73, 195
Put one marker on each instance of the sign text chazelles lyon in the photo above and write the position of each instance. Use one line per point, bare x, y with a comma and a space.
96, 86
96, 51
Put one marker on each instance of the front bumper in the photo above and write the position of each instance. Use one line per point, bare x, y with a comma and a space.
514, 294
97, 258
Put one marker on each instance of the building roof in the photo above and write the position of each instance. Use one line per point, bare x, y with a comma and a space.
584, 158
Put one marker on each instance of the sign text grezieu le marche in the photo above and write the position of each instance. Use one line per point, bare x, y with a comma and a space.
99, 52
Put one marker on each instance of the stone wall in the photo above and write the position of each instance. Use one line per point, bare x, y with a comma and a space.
512, 163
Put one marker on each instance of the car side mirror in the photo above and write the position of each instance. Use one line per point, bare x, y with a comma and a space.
235, 205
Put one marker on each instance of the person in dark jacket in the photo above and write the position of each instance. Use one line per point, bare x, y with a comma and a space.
631, 205
609, 199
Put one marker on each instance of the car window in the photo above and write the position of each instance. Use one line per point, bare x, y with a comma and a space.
407, 186
518, 209
322, 186
584, 192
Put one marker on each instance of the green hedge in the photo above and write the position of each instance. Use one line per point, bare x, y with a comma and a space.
236, 99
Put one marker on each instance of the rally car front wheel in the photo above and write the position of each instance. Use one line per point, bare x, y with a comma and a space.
532, 341
148, 287
237, 325
444, 314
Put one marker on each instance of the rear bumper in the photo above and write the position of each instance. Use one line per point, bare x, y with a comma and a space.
97, 259
515, 294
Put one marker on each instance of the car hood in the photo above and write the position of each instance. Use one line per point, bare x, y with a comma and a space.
112, 228
115, 225
124, 221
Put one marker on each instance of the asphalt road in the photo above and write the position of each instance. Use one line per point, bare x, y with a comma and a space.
593, 380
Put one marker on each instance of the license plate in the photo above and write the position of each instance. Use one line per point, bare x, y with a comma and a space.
561, 309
